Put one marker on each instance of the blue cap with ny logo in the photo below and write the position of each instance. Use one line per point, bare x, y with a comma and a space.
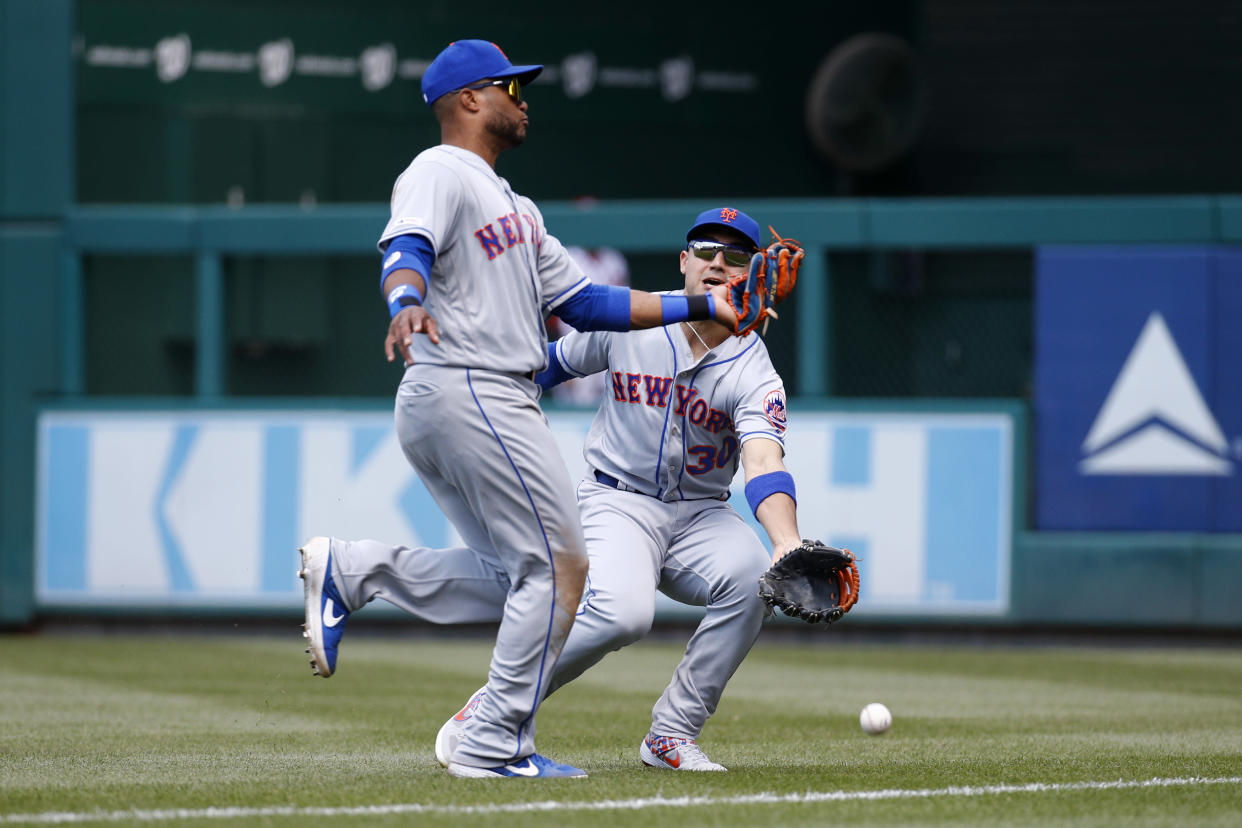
729, 217
464, 62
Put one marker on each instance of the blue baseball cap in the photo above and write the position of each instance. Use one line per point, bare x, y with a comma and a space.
730, 217
464, 62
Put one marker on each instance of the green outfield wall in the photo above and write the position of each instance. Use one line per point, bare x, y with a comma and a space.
36, 189
1051, 578
192, 297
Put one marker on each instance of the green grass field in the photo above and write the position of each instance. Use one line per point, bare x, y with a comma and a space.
188, 730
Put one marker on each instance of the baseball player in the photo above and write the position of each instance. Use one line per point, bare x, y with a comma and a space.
470, 273
686, 402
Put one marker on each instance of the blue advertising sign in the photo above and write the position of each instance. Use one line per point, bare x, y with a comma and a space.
1138, 404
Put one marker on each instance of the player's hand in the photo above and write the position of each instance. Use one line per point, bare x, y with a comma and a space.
780, 550
412, 320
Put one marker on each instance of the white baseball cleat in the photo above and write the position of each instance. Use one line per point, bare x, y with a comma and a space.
450, 734
673, 753
325, 612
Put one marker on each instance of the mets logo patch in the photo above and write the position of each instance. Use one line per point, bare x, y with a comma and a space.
774, 409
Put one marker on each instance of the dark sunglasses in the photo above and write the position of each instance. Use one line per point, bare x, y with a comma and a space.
733, 255
513, 87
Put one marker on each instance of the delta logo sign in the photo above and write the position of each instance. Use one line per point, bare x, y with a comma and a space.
1138, 389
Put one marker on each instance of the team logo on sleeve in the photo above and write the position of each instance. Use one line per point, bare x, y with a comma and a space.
774, 409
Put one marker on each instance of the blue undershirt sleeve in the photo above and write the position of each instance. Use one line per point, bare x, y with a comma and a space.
597, 308
408, 251
554, 374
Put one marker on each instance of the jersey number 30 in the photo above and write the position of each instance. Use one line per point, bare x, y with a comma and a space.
709, 458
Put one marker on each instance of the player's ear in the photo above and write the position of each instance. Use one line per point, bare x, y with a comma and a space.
468, 99
684, 255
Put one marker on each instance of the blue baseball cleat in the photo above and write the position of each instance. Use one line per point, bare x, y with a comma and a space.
533, 767
325, 612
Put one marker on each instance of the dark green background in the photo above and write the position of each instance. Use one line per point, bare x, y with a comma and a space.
1024, 97
143, 140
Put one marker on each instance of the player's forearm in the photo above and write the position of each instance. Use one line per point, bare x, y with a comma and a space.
646, 311
405, 276
652, 310
771, 493
403, 288
612, 308
778, 515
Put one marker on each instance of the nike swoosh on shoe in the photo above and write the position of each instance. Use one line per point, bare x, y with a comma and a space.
330, 618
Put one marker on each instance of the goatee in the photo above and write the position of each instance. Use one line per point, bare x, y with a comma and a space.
507, 133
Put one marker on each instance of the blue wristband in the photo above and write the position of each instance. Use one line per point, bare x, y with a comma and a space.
680, 308
758, 489
401, 297
674, 309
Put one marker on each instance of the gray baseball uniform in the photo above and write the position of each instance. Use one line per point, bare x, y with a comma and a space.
662, 451
468, 419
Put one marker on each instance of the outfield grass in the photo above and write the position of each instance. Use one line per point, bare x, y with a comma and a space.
104, 724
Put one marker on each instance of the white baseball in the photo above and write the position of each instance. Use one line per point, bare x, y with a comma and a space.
875, 719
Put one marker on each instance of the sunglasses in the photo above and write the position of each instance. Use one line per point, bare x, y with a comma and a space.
733, 255
513, 87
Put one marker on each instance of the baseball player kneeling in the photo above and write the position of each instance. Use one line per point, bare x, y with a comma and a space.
685, 403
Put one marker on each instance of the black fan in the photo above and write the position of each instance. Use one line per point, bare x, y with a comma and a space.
864, 103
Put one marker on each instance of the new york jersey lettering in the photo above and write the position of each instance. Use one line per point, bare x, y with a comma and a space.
698, 412
510, 228
684, 396
631, 386
657, 390
506, 227
487, 239
534, 229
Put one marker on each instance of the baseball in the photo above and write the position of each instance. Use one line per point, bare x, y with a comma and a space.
875, 719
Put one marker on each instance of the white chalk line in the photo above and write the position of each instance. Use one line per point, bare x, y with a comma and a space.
57, 817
